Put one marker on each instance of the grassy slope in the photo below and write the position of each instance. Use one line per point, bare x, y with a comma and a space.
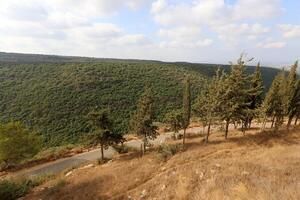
53, 94
257, 166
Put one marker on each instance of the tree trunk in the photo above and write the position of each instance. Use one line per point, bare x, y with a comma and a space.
289, 123
296, 120
183, 140
226, 129
145, 144
235, 125
273, 120
102, 152
207, 134
142, 150
249, 124
264, 124
244, 126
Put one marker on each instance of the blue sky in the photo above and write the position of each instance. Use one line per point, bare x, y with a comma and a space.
210, 31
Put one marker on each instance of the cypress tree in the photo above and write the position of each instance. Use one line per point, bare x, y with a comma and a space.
186, 107
273, 105
142, 120
207, 104
291, 94
255, 94
234, 99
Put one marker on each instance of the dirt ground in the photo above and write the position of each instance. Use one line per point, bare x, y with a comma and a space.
256, 166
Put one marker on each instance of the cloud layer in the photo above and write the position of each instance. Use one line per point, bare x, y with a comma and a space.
197, 30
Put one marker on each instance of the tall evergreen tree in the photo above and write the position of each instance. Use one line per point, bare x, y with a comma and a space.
273, 105
234, 99
103, 134
291, 94
255, 94
186, 107
207, 105
142, 120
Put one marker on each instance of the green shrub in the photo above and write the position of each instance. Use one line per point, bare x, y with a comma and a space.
17, 144
13, 189
166, 151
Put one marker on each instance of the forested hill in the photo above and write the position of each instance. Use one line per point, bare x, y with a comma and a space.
53, 94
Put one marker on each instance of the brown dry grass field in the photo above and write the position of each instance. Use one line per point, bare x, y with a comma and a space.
256, 166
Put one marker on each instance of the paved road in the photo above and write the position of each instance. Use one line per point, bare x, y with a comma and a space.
60, 165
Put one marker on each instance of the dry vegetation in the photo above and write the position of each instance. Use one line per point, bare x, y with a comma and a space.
256, 166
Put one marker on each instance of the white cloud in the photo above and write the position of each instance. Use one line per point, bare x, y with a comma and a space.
272, 45
256, 9
290, 31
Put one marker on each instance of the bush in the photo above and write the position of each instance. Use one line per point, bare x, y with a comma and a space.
14, 189
17, 144
123, 148
166, 151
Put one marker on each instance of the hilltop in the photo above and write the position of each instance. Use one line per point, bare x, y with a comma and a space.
52, 94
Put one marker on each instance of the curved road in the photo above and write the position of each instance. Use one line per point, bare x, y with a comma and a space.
60, 165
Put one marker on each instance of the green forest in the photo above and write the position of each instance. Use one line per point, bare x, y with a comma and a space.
54, 98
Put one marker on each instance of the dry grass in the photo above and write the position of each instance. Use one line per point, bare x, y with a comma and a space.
257, 166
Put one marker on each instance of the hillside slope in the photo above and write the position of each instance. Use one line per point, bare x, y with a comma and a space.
53, 94
257, 166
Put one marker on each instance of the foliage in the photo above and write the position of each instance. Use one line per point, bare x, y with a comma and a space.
175, 120
102, 132
166, 151
142, 120
17, 143
292, 98
14, 189
186, 109
54, 99
207, 106
255, 94
273, 105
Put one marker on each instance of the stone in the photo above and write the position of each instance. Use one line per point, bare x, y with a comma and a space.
87, 166
69, 173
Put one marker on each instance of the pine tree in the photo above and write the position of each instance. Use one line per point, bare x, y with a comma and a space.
142, 120
291, 95
175, 120
186, 107
207, 104
296, 102
273, 105
255, 94
102, 130
234, 100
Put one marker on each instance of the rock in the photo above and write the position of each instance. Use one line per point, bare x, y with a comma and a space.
69, 173
201, 175
163, 169
87, 166
143, 193
218, 165
245, 173
129, 197
163, 187
212, 171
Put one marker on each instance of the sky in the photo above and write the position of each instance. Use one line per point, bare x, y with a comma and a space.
205, 31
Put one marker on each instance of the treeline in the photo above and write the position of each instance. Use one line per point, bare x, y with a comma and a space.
238, 98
